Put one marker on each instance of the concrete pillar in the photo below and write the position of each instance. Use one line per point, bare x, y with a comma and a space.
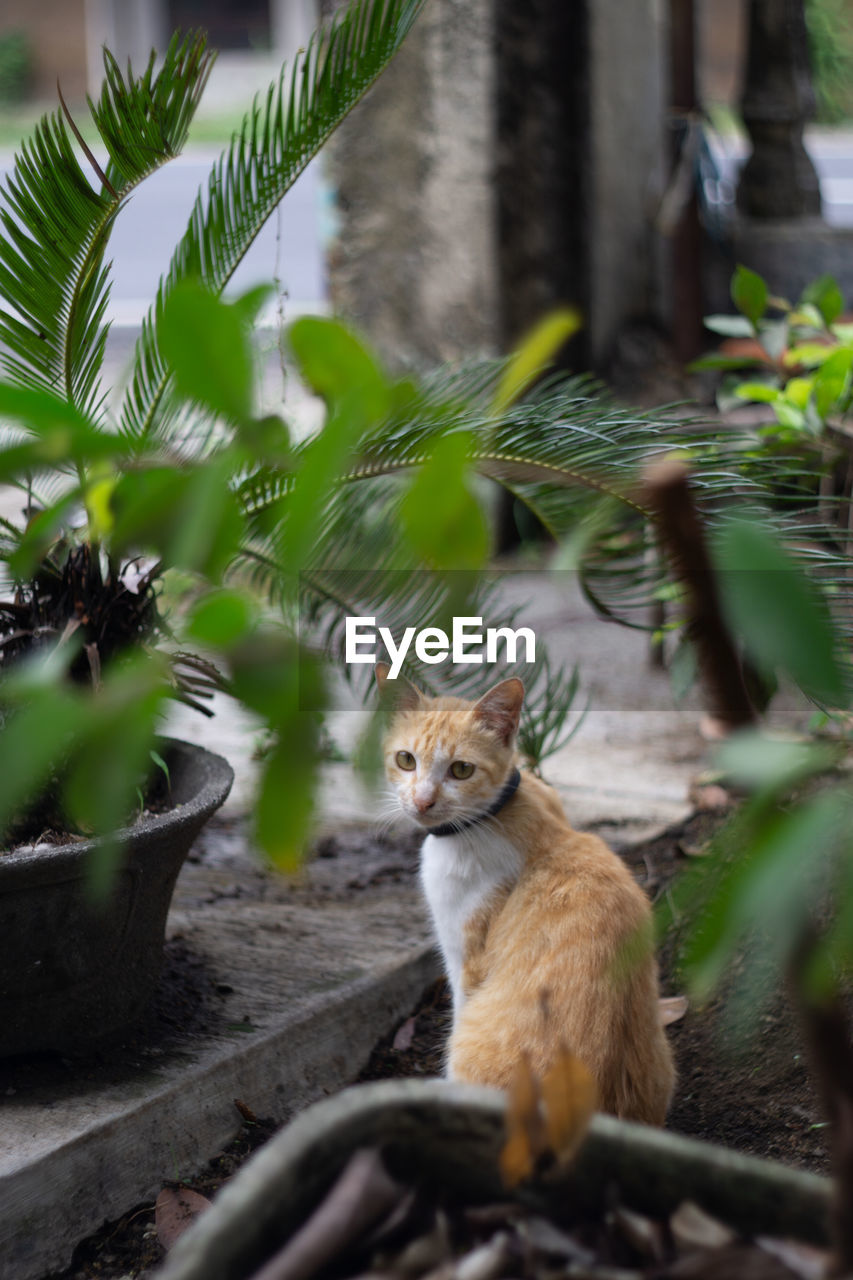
415, 263
779, 179
445, 204
291, 25
130, 29
628, 99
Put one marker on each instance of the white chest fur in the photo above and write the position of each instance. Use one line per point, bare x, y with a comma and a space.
459, 874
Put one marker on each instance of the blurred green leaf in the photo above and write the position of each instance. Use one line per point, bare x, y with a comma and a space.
775, 883
340, 369
759, 391
806, 316
248, 305
788, 415
761, 763
58, 436
729, 326
267, 439
777, 610
36, 738
220, 619
112, 758
798, 390
774, 336
832, 380
683, 669
206, 341
41, 533
284, 684
749, 294
809, 354
439, 514
718, 361
826, 296
534, 354
190, 518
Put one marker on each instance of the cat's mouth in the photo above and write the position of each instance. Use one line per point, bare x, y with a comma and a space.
442, 816
434, 817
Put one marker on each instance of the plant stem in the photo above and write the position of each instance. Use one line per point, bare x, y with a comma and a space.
679, 525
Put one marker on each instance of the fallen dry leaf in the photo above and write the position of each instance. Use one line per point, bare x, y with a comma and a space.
805, 1260
672, 1009
693, 1228
710, 796
486, 1261
363, 1195
174, 1211
644, 1235
404, 1037
544, 1238
695, 850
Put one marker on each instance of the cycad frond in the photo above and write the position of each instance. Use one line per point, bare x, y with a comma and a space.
560, 452
278, 138
54, 283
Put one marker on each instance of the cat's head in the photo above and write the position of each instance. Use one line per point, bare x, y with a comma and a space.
448, 758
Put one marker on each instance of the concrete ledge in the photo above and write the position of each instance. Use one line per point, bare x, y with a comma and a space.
310, 982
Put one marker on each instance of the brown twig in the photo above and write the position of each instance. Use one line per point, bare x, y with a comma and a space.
667, 492
362, 1195
827, 1033
84, 146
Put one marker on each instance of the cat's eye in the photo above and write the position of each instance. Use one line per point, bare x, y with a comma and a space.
461, 769
405, 760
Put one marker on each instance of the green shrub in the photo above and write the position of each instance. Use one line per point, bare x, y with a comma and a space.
830, 27
16, 67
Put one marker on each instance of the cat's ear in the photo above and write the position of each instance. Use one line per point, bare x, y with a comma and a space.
398, 693
500, 709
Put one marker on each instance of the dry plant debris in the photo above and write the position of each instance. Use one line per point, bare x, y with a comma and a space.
372, 1227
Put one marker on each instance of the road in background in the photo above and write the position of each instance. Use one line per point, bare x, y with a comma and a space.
831, 152
288, 249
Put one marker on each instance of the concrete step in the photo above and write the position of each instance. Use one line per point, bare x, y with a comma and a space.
274, 994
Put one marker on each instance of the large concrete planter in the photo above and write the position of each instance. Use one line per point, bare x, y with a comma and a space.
74, 974
451, 1135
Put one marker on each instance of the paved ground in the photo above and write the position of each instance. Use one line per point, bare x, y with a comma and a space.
304, 975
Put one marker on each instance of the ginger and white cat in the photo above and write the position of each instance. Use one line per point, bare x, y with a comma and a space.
545, 935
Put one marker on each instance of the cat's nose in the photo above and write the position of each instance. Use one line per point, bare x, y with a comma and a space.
425, 802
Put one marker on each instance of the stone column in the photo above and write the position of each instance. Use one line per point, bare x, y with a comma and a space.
779, 179
510, 159
414, 265
542, 51
627, 70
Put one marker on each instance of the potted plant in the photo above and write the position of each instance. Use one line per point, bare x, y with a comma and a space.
113, 503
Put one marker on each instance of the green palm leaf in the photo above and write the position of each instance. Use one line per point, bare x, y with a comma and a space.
278, 138
53, 279
562, 452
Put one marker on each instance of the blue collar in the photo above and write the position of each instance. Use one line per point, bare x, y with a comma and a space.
507, 792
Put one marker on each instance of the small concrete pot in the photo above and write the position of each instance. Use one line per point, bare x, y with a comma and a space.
450, 1136
75, 974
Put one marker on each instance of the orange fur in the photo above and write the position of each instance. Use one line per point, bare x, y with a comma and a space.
545, 934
